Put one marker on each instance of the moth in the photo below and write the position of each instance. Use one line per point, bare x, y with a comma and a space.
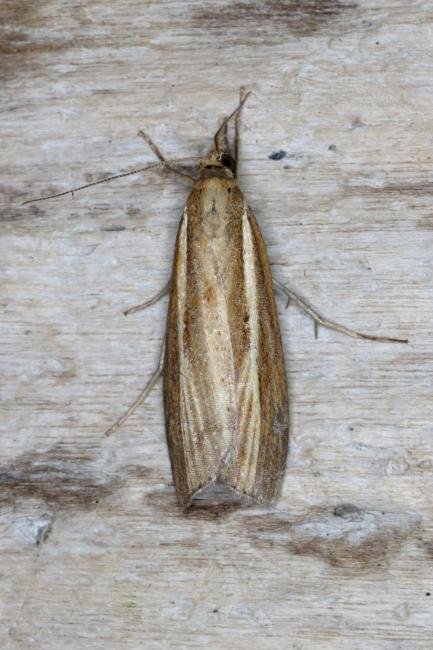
225, 388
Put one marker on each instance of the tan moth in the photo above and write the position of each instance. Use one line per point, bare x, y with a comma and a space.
225, 390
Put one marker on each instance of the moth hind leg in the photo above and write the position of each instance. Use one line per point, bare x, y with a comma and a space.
142, 396
325, 322
242, 97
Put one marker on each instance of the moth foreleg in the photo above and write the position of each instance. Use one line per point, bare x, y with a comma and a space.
151, 301
162, 158
142, 396
325, 322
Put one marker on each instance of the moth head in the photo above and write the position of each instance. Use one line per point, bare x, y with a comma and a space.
218, 163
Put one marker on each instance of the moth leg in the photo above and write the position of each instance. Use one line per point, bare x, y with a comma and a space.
142, 396
242, 94
151, 301
164, 160
325, 322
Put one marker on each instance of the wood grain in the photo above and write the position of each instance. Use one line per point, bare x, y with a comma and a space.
94, 550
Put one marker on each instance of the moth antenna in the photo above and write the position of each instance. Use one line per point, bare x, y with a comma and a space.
107, 180
227, 119
103, 180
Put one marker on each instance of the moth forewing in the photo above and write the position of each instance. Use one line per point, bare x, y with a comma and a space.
225, 390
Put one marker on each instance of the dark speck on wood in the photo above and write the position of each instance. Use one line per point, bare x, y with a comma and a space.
277, 155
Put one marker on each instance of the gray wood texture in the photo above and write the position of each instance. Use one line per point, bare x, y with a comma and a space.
94, 550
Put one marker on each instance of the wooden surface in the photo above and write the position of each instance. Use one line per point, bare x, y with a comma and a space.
94, 551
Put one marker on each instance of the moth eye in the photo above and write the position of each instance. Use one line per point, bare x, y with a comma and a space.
228, 162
